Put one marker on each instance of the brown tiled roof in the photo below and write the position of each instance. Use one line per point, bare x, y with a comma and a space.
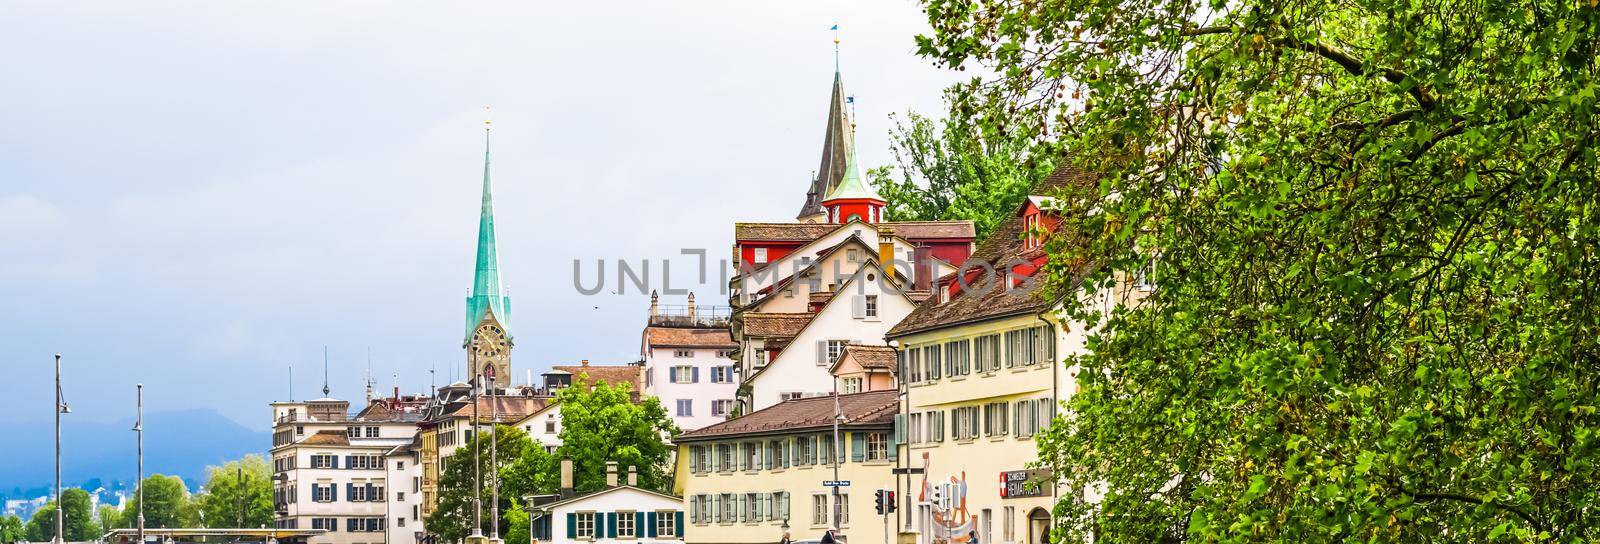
871, 357
689, 337
611, 374
784, 325
806, 232
508, 408
327, 438
873, 409
1004, 245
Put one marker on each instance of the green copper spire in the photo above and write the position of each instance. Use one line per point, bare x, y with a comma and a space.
851, 185
486, 295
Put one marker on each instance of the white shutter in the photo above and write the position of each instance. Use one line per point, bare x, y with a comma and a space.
822, 352
858, 306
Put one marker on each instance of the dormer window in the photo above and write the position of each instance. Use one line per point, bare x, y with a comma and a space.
761, 255
1030, 225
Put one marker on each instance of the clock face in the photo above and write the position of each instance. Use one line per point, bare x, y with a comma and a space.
489, 341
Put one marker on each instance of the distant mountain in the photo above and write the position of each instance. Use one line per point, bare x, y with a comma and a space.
180, 443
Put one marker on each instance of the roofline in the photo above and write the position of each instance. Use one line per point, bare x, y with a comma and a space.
853, 277
568, 500
968, 321
786, 430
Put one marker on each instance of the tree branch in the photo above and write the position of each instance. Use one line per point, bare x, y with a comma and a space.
1350, 64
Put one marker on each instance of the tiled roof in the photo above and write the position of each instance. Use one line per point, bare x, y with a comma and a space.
784, 325
806, 232
611, 374
1004, 245
689, 337
876, 408
508, 408
871, 357
327, 438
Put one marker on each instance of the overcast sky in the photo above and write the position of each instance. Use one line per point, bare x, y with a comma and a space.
196, 194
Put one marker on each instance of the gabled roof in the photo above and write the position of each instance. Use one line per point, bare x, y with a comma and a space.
327, 438
871, 358
611, 374
857, 276
508, 408
838, 136
1004, 245
592, 494
685, 337
871, 409
770, 325
806, 232
774, 289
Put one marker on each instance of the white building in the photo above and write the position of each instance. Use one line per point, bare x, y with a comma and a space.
616, 514
334, 471
687, 362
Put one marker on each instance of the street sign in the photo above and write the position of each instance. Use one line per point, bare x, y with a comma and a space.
836, 483
1026, 483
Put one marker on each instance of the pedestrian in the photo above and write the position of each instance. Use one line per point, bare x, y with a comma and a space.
827, 537
972, 536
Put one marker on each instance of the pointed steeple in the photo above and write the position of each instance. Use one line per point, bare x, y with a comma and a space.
851, 185
837, 141
486, 296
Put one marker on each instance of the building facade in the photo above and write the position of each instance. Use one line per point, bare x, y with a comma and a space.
750, 479
331, 470
621, 512
687, 357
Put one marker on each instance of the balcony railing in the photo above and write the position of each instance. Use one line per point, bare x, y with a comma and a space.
691, 316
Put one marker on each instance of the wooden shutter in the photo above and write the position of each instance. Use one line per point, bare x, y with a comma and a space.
822, 352
639, 525
677, 525
694, 374
649, 524
611, 524
858, 446
858, 306
894, 436
572, 525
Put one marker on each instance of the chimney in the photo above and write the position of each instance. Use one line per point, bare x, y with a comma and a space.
585, 362
633, 476
566, 477
611, 473
691, 308
886, 250
655, 302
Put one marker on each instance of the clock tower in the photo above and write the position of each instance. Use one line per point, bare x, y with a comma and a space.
488, 340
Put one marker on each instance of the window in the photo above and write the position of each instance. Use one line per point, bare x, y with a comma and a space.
819, 509
400, 496
780, 506
842, 508
1007, 527
327, 524
752, 456
966, 425
683, 353
550, 424
685, 407
725, 457
323, 461
761, 255
751, 508
625, 527
1047, 413
322, 492
808, 450
1030, 225
1143, 279
683, 374
399, 465
914, 428
372, 432
352, 432
722, 374
790, 395
721, 407
399, 522
930, 355
585, 525
1026, 420
667, 524
852, 385
995, 417
826, 451
877, 447
299, 429
852, 255
357, 492
700, 509
872, 305
911, 364
988, 525
835, 348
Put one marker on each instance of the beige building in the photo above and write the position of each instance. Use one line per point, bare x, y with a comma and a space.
982, 377
746, 479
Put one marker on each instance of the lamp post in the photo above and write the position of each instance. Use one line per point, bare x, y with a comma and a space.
494, 467
477, 467
138, 431
61, 408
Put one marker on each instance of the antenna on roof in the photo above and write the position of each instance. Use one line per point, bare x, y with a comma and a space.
325, 389
291, 383
369, 373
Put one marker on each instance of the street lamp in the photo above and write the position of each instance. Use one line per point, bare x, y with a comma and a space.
61, 408
138, 430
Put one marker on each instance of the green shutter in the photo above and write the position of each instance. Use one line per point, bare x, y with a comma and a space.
650, 524
858, 446
572, 525
611, 524
677, 525
639, 525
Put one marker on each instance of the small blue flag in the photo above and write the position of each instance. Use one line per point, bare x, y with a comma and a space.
849, 99
835, 27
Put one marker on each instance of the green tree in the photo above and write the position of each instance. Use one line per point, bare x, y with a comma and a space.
78, 522
601, 424
1373, 228
244, 483
12, 530
955, 169
106, 518
167, 504
451, 520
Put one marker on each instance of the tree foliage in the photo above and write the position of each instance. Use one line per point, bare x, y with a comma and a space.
602, 423
77, 519
1374, 226
12, 530
955, 169
240, 484
167, 504
452, 519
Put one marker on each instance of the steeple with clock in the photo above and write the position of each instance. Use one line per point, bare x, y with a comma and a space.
488, 339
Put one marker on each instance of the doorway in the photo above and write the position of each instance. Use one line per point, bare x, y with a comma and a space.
1038, 526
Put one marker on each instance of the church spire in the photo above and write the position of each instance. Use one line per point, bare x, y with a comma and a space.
486, 296
836, 143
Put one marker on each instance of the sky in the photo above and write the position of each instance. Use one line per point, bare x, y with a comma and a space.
198, 195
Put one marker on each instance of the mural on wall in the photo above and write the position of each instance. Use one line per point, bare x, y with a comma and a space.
947, 497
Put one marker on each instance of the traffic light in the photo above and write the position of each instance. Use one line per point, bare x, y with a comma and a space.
884, 501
